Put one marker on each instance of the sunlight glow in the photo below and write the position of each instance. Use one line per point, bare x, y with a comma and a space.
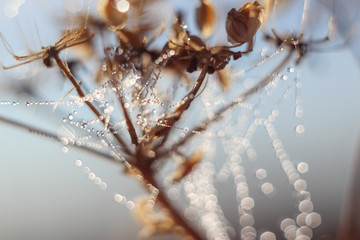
123, 6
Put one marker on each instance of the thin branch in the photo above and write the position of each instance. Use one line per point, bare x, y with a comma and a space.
130, 125
52, 136
187, 100
81, 93
220, 113
166, 203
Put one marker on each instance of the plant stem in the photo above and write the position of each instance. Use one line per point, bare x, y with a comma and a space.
81, 93
50, 135
235, 102
166, 203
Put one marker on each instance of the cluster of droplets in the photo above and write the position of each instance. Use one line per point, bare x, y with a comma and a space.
300, 128
204, 204
234, 149
169, 53
305, 205
238, 144
91, 175
103, 185
11, 103
306, 220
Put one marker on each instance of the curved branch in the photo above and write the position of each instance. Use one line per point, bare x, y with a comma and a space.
220, 113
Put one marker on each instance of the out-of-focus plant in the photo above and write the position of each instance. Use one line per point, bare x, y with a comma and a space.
144, 93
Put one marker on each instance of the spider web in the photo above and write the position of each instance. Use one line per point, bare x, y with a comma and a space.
237, 134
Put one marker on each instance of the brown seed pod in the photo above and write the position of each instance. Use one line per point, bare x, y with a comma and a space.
242, 24
114, 19
205, 18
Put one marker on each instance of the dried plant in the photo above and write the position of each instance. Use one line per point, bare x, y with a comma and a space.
140, 104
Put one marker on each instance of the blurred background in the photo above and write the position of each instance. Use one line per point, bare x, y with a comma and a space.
45, 190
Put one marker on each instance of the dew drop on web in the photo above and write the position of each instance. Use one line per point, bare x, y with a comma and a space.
300, 129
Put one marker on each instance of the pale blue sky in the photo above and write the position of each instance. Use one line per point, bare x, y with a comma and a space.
43, 195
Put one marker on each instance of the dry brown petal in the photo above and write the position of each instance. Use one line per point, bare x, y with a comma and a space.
224, 78
185, 168
153, 222
180, 34
114, 19
242, 24
196, 43
205, 18
84, 50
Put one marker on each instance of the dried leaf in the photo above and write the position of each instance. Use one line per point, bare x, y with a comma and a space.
153, 222
224, 78
205, 18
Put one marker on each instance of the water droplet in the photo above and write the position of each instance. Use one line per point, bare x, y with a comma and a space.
313, 220
290, 69
91, 176
300, 129
306, 206
248, 232
267, 236
118, 198
267, 188
119, 51
300, 219
300, 185
78, 163
303, 167
261, 174
247, 203
84, 125
246, 220
303, 195
302, 237
97, 180
304, 231
103, 186
286, 223
130, 205
86, 169
65, 149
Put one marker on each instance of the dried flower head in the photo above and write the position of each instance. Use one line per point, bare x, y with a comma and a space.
69, 39
242, 24
112, 16
205, 18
